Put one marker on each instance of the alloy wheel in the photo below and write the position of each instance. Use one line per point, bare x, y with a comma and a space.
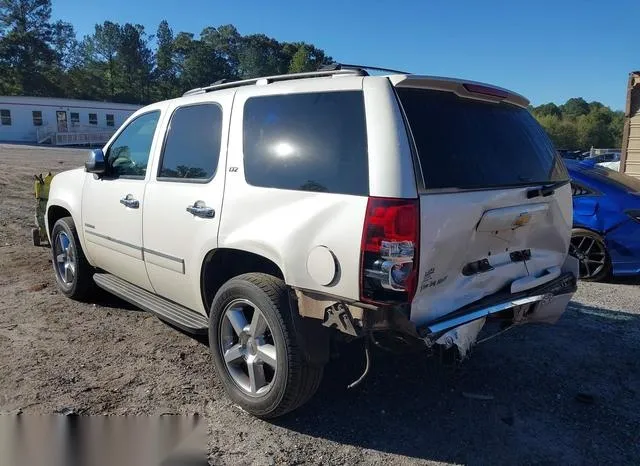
65, 258
591, 255
247, 347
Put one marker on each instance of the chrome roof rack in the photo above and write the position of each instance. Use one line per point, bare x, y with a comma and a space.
364, 68
331, 69
223, 84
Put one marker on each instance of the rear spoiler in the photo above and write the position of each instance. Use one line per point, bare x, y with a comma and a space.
467, 89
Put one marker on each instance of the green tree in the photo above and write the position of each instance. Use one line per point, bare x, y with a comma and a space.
165, 72
301, 61
119, 58
581, 125
593, 129
595, 106
226, 42
65, 44
27, 59
182, 45
616, 127
116, 62
135, 63
199, 62
102, 47
260, 55
563, 133
548, 109
575, 107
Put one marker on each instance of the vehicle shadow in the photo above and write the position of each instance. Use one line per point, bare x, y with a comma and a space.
566, 393
105, 299
625, 280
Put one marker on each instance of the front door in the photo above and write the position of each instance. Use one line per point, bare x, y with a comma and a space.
61, 118
112, 205
183, 199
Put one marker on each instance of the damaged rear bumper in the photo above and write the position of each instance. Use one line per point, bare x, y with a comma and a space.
460, 328
545, 303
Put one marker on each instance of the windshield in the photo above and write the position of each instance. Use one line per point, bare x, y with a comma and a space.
472, 144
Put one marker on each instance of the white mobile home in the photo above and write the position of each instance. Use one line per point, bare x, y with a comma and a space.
60, 121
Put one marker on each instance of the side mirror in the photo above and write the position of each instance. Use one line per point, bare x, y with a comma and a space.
95, 163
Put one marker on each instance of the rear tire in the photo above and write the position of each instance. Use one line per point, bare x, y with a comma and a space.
74, 274
287, 379
590, 249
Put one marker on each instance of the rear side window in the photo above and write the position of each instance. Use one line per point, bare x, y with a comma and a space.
192, 145
307, 142
471, 144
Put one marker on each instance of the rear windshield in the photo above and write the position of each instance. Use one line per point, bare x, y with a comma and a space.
470, 144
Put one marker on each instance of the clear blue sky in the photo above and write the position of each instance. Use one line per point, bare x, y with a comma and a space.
546, 50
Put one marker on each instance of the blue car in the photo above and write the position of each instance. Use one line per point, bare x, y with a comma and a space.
606, 221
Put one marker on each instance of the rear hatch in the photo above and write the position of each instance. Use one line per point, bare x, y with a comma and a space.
495, 204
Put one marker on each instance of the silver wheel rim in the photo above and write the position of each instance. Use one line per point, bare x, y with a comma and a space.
590, 253
247, 347
65, 258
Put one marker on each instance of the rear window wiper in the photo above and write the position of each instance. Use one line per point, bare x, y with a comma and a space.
546, 190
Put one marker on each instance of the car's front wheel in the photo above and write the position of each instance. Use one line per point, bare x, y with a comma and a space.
590, 250
74, 274
255, 349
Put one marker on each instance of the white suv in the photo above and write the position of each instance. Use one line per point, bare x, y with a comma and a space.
279, 213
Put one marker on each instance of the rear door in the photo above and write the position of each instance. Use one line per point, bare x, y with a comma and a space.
485, 224
183, 198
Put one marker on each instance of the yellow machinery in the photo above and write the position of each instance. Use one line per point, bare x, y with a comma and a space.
41, 191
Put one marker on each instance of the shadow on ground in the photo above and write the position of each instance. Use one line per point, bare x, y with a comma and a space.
103, 298
625, 280
566, 393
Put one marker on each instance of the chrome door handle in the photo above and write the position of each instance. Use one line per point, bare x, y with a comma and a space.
200, 209
130, 202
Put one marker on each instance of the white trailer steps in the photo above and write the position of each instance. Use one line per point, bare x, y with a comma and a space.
183, 318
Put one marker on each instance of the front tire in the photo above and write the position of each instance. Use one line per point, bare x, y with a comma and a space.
255, 349
590, 250
74, 274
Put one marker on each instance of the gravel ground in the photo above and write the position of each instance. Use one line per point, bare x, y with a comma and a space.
568, 393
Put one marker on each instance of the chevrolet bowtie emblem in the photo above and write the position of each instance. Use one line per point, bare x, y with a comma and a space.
522, 220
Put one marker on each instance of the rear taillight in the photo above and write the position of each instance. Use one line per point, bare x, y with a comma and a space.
389, 264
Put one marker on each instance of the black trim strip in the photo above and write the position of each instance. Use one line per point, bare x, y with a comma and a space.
137, 248
88, 225
163, 255
109, 238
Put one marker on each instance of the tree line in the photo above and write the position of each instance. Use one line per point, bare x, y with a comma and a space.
124, 63
577, 124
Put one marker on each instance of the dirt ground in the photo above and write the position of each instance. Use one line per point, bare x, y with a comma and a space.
568, 393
